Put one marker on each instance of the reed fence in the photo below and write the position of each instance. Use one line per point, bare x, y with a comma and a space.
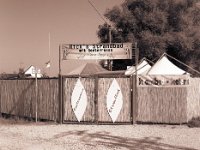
18, 97
174, 104
162, 104
193, 99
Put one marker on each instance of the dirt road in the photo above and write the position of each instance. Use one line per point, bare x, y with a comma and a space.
48, 136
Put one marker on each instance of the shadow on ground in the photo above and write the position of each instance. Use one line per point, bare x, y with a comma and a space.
111, 141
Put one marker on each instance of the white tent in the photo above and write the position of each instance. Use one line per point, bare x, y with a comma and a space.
31, 72
143, 68
165, 67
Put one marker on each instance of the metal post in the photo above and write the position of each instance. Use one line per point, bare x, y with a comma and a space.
36, 95
60, 113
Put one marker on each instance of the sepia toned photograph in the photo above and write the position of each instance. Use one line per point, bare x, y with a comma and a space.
100, 75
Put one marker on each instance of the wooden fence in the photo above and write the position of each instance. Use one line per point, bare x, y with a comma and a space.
174, 105
18, 97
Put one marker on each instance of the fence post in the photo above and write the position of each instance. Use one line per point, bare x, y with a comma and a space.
96, 98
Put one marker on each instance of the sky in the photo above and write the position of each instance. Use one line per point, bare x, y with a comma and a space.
25, 26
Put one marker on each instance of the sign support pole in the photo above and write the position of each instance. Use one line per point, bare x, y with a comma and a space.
60, 112
110, 40
135, 102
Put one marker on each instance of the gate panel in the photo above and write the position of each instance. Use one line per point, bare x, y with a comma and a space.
68, 87
125, 113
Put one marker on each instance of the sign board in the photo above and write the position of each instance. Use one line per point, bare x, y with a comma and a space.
163, 80
114, 100
79, 100
35, 70
97, 51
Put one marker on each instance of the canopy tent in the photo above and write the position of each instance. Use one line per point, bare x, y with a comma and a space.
165, 67
143, 68
87, 69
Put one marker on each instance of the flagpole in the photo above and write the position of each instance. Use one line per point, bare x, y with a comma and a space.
49, 52
60, 87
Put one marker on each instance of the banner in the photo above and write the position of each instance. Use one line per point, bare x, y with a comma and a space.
114, 100
97, 51
163, 80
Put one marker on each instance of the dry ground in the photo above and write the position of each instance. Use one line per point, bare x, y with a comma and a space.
22, 135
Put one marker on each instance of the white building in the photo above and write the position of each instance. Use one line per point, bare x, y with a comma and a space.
30, 72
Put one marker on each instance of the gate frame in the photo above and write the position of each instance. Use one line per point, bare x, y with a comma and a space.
96, 84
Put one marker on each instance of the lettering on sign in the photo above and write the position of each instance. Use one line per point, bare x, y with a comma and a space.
79, 100
97, 51
157, 80
114, 100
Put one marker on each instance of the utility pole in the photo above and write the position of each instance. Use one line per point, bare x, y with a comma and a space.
110, 41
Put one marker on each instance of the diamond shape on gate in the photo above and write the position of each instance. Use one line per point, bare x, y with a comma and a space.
79, 100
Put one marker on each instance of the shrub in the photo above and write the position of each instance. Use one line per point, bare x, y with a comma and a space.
194, 122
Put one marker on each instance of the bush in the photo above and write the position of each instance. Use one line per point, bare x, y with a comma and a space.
194, 122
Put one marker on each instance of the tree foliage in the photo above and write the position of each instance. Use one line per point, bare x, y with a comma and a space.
158, 26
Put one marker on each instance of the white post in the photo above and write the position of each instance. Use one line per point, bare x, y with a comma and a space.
36, 94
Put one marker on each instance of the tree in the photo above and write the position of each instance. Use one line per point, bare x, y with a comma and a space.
158, 26
21, 73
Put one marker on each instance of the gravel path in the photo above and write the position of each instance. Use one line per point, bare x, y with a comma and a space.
48, 136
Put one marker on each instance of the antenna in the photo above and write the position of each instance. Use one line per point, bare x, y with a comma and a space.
109, 29
98, 12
